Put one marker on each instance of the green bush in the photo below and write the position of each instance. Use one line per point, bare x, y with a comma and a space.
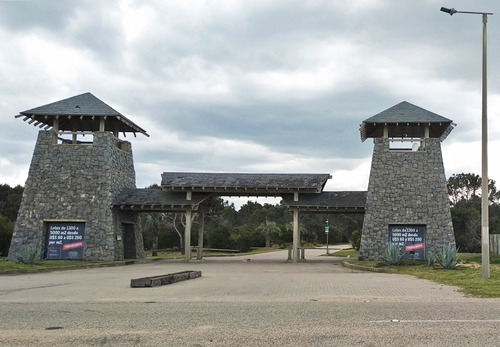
393, 254
448, 257
30, 255
220, 238
355, 239
245, 237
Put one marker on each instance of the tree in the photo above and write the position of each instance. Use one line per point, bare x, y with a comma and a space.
251, 213
466, 218
178, 223
244, 237
268, 229
466, 186
465, 198
153, 224
6, 231
10, 200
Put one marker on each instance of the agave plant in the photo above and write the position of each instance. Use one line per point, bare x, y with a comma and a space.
430, 258
448, 257
30, 255
393, 254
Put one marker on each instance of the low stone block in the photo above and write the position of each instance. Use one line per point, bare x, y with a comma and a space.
160, 280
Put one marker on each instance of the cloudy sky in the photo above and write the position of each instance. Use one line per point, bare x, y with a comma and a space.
251, 85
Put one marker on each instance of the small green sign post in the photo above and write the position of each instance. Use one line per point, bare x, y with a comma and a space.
327, 229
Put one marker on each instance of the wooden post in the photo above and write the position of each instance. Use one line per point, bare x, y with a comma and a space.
199, 255
55, 127
296, 235
102, 121
187, 236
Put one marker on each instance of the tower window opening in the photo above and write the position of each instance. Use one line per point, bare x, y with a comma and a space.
407, 144
75, 138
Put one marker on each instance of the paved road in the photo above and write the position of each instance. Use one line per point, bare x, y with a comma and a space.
258, 300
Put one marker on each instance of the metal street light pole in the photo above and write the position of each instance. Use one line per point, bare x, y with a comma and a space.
485, 233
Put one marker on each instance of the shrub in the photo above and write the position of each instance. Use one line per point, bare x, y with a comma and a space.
220, 238
355, 239
393, 254
244, 237
448, 257
30, 255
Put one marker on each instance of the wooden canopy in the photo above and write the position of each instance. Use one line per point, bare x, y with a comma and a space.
241, 184
156, 200
329, 202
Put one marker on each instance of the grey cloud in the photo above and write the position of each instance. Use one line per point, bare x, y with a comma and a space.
51, 15
205, 70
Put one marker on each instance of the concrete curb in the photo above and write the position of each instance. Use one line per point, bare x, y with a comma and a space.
350, 265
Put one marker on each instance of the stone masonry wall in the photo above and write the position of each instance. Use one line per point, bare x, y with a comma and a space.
75, 182
406, 187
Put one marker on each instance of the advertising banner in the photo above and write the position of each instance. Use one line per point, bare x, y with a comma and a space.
65, 240
411, 238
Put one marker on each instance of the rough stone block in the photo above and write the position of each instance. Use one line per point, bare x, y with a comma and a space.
160, 280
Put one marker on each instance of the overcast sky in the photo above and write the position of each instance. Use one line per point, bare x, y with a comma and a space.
251, 86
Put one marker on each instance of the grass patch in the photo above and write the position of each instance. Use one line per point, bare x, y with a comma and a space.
7, 266
467, 276
476, 258
10, 267
206, 254
469, 279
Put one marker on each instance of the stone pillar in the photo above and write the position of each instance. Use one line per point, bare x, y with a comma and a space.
406, 188
76, 182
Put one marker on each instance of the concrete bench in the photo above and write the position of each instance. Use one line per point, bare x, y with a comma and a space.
161, 280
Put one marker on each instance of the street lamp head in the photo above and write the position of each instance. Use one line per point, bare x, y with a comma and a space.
451, 11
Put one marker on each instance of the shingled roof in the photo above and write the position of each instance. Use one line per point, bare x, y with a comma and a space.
329, 202
406, 120
81, 112
149, 200
244, 183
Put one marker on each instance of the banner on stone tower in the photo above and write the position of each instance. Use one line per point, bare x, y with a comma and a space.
65, 240
411, 238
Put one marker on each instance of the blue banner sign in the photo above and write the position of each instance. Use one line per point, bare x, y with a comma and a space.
65, 240
411, 238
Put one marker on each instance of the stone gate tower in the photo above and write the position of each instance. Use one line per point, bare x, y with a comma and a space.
78, 167
407, 200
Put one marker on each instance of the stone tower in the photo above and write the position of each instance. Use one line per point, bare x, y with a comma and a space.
78, 167
407, 200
